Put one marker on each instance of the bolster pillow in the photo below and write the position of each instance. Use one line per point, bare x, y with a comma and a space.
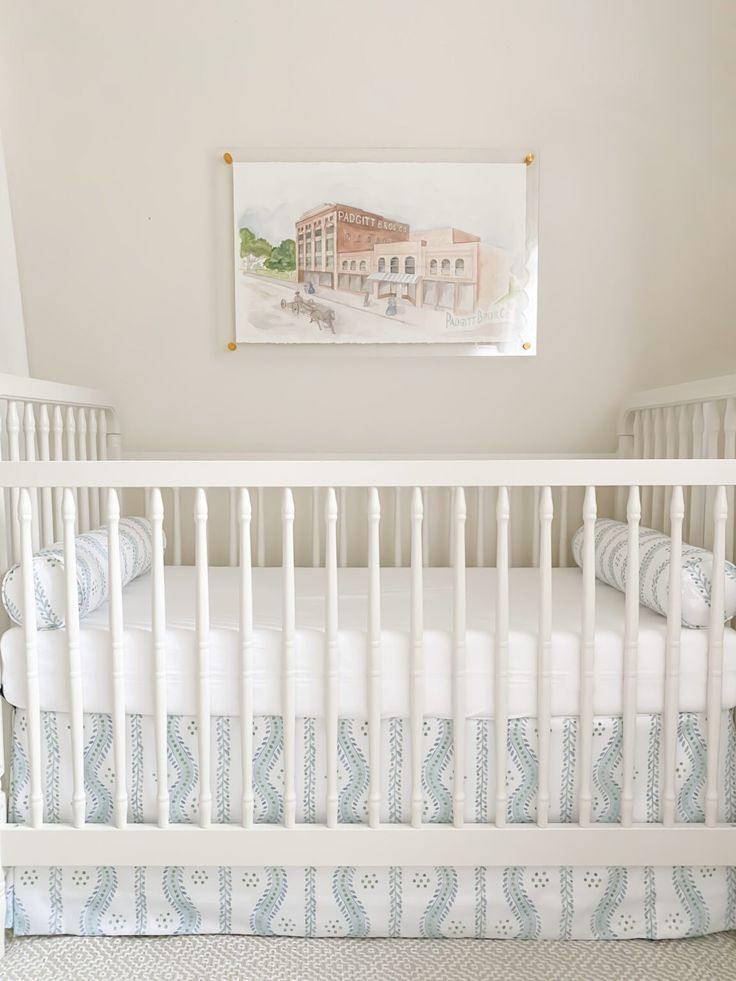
136, 553
655, 550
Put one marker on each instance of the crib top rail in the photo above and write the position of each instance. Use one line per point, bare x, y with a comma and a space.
384, 472
670, 397
18, 388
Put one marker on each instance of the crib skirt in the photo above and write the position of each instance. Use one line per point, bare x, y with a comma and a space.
546, 902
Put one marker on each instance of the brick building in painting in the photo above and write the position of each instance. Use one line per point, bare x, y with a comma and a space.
345, 248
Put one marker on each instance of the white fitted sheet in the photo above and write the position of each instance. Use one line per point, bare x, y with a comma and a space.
353, 655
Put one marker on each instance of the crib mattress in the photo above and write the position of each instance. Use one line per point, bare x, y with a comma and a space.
353, 648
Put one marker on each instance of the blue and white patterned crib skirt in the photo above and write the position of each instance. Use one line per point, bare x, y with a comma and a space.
550, 902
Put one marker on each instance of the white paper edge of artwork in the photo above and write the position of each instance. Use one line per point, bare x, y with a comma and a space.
528, 275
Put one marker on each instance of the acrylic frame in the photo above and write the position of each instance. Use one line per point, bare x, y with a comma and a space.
525, 271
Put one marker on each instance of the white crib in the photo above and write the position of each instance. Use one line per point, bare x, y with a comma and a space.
62, 473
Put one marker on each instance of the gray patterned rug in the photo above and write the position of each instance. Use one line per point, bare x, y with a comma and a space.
280, 959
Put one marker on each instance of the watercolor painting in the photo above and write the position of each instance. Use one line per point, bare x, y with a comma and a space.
384, 252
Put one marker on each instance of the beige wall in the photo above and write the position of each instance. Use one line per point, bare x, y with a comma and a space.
114, 115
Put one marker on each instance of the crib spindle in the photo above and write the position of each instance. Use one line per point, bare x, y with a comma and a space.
697, 494
587, 664
44, 452
631, 654
426, 538
70, 448
94, 493
331, 626
204, 707
417, 658
261, 528
83, 492
288, 630
374, 666
102, 455
13, 426
102, 436
480, 528
246, 657
502, 649
176, 522
398, 552
670, 452
232, 496
343, 527
31, 651
158, 630
672, 662
29, 437
647, 491
714, 705
729, 453
76, 710
711, 436
451, 525
659, 452
57, 452
544, 671
459, 694
316, 544
117, 657
535, 529
562, 541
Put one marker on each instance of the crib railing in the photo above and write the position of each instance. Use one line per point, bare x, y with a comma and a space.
691, 421
44, 421
438, 527
583, 842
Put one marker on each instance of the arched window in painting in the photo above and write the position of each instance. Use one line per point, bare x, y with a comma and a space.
410, 266
445, 267
394, 264
382, 264
433, 267
459, 267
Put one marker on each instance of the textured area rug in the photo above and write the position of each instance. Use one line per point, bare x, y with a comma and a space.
284, 959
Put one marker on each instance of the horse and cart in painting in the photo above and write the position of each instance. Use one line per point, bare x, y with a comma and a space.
319, 313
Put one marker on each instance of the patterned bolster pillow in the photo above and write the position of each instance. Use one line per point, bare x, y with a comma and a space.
655, 550
136, 553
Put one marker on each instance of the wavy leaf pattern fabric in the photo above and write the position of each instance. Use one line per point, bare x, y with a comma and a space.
516, 902
136, 553
567, 903
655, 552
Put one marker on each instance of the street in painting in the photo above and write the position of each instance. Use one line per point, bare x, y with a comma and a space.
384, 252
